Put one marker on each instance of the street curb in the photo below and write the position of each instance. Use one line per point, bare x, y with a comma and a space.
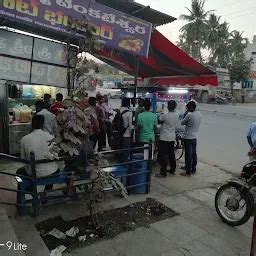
220, 168
223, 112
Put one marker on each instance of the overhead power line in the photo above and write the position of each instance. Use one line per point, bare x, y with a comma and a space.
227, 5
249, 14
239, 12
233, 3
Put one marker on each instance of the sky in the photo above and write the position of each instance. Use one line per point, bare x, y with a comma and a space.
240, 14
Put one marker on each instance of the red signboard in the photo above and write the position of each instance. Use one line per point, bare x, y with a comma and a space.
252, 75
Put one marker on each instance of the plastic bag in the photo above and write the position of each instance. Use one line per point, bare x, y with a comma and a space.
57, 233
82, 238
16, 111
25, 114
58, 251
72, 232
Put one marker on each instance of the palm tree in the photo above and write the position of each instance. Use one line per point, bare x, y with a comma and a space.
195, 31
183, 43
221, 53
213, 24
237, 42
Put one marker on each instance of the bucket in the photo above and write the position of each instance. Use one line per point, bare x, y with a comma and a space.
139, 156
140, 177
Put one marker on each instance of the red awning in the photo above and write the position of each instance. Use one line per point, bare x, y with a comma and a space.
183, 81
165, 59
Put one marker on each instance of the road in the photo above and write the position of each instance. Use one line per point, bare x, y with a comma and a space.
222, 140
222, 136
247, 110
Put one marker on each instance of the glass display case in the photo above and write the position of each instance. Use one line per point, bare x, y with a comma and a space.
21, 108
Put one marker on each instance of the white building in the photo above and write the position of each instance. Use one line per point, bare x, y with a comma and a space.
250, 53
245, 91
223, 78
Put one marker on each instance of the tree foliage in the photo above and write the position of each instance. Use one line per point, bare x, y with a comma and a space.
205, 32
194, 31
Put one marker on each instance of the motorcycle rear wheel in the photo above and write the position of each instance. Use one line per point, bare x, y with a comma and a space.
232, 204
179, 148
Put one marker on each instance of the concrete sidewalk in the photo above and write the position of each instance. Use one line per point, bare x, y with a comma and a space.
197, 231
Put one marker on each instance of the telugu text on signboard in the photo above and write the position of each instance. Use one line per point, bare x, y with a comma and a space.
19, 45
16, 45
14, 69
18, 51
113, 28
54, 53
48, 74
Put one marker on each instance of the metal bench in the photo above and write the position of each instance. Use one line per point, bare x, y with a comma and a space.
78, 187
26, 186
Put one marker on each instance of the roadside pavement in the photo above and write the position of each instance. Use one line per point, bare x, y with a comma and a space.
196, 231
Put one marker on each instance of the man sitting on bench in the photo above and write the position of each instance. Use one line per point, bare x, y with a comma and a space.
38, 143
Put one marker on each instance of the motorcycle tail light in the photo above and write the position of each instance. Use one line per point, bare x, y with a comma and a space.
242, 175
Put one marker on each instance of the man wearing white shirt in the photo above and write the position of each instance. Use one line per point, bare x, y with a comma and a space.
169, 122
127, 121
37, 142
50, 123
109, 114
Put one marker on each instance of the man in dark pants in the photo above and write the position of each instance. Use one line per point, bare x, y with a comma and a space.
126, 137
166, 152
192, 122
101, 115
109, 113
147, 124
138, 110
94, 123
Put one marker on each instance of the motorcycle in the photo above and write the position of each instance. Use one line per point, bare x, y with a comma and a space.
224, 100
234, 201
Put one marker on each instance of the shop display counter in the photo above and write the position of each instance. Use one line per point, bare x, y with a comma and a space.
16, 132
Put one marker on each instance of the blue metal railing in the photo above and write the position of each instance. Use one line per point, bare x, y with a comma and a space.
34, 180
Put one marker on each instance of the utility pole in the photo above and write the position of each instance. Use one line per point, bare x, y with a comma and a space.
253, 245
137, 65
68, 68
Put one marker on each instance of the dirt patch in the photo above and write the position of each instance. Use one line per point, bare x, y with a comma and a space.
112, 223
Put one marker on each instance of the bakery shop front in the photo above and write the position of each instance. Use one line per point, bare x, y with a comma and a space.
29, 68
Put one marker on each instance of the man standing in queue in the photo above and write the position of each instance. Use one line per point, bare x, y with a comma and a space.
101, 115
109, 113
192, 122
147, 124
94, 128
169, 122
57, 106
126, 136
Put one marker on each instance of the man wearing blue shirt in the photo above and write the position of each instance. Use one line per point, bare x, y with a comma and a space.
192, 121
251, 135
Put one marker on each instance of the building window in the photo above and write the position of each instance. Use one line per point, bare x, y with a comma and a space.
247, 84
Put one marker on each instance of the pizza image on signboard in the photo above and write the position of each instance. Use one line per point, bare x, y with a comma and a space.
131, 44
